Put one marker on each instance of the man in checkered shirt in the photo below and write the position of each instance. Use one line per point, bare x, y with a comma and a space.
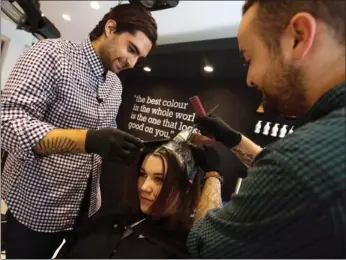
293, 202
59, 110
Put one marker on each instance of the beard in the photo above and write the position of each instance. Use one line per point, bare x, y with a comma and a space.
283, 91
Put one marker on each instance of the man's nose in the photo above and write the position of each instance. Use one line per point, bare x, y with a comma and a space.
132, 61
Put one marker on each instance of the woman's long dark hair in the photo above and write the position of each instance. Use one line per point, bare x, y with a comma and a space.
176, 188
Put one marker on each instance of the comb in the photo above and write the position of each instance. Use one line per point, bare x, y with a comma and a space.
199, 109
197, 106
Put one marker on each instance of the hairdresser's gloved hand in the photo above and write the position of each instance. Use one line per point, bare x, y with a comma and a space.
211, 156
213, 126
112, 144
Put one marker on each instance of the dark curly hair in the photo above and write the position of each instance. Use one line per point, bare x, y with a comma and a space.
129, 18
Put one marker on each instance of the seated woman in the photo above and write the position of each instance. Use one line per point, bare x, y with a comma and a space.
153, 219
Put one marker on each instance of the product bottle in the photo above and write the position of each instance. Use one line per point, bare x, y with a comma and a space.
266, 128
283, 131
258, 127
275, 130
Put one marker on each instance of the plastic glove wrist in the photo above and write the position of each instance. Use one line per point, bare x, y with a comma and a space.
89, 141
233, 139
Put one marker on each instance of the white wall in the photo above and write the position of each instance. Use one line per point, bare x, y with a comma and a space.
189, 21
17, 39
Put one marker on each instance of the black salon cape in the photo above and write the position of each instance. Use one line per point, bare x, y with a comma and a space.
100, 236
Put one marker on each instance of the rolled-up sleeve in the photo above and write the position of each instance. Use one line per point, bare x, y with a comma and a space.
26, 98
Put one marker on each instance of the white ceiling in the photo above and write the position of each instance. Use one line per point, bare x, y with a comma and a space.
189, 21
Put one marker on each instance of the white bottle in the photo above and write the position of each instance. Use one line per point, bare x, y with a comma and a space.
291, 130
275, 130
266, 128
258, 127
283, 131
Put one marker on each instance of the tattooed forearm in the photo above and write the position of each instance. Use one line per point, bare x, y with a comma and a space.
61, 141
246, 151
245, 158
210, 197
57, 145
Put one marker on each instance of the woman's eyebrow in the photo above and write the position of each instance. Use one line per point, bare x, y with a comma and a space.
154, 174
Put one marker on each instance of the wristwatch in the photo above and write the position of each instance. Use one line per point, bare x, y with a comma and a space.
213, 174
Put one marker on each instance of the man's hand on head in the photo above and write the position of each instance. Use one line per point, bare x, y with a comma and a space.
112, 144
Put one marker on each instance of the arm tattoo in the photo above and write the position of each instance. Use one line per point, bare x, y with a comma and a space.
245, 158
210, 198
56, 145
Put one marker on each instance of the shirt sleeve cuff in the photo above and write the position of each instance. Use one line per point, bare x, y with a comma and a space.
37, 131
29, 133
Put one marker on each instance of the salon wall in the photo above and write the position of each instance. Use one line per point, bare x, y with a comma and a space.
237, 106
177, 74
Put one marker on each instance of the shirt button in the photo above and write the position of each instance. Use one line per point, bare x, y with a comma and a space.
115, 225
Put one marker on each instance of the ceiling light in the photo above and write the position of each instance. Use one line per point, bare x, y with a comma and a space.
66, 17
155, 5
147, 69
208, 69
94, 5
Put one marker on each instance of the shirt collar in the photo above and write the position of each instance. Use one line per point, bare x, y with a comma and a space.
331, 100
93, 59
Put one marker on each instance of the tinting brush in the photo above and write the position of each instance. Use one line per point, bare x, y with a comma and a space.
184, 135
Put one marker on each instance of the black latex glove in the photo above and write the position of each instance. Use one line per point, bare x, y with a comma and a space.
112, 144
211, 156
213, 126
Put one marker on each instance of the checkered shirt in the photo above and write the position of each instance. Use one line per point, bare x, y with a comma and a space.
293, 202
55, 84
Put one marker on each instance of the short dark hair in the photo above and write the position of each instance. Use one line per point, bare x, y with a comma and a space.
274, 15
175, 185
129, 18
